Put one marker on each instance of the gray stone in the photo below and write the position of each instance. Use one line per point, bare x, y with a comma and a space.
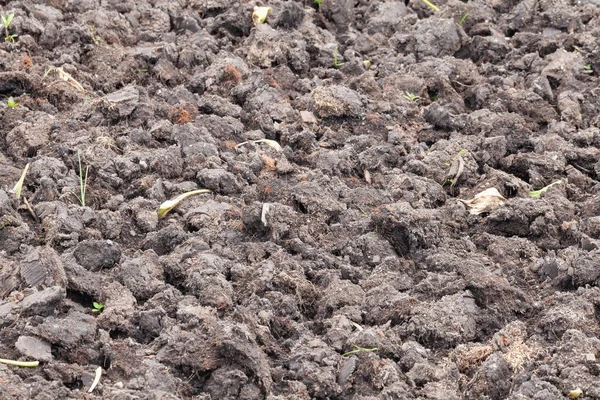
34, 348
97, 254
43, 302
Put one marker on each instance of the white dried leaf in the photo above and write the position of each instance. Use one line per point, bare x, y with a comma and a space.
269, 142
484, 201
260, 14
263, 216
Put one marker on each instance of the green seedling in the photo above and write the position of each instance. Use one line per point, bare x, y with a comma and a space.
171, 204
367, 63
538, 193
19, 186
318, 3
143, 70
431, 5
12, 103
336, 63
82, 182
6, 20
48, 70
411, 96
92, 32
20, 363
587, 67
463, 152
463, 19
97, 307
358, 349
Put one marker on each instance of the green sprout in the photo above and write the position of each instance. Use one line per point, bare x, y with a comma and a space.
411, 96
92, 32
463, 152
48, 70
587, 67
98, 307
431, 5
82, 182
463, 19
358, 349
318, 3
537, 193
6, 20
336, 63
12, 103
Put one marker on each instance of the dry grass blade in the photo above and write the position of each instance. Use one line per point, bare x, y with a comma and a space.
171, 204
19, 186
65, 76
96, 379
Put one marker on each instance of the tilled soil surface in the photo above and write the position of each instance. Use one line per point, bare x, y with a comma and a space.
347, 263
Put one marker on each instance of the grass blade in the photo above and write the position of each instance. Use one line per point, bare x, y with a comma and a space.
19, 186
431, 5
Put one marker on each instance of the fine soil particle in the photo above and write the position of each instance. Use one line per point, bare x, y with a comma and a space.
337, 255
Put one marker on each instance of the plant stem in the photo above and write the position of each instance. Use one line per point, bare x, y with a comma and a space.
20, 363
82, 180
431, 5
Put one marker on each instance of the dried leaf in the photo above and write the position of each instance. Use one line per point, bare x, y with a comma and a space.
171, 204
484, 201
574, 394
263, 216
269, 142
538, 193
19, 186
260, 14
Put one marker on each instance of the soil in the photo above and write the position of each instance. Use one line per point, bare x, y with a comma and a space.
342, 265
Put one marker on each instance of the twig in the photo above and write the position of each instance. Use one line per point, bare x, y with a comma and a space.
30, 209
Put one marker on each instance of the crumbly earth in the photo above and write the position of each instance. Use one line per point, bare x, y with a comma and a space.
344, 264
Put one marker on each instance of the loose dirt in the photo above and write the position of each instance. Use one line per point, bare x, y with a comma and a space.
346, 264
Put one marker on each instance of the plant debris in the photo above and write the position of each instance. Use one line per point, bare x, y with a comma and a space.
259, 15
19, 186
538, 193
269, 142
168, 205
97, 376
28, 364
484, 201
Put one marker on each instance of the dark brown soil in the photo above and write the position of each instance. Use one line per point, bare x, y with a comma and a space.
343, 265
